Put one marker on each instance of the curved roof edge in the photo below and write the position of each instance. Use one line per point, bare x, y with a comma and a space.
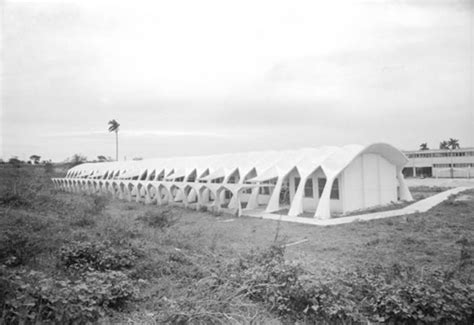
333, 162
389, 152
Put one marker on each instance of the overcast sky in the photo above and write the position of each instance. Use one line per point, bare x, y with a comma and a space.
200, 77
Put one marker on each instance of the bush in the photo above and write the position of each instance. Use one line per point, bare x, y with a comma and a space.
48, 167
99, 256
23, 238
33, 297
396, 294
19, 187
159, 219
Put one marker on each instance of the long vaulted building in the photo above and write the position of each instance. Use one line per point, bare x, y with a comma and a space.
321, 182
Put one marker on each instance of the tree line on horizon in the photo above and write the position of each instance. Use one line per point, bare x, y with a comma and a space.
75, 159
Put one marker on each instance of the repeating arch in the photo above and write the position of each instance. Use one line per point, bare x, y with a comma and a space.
322, 181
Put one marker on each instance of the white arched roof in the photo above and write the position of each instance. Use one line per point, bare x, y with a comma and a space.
267, 164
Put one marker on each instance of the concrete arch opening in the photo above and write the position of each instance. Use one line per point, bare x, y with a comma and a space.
190, 194
164, 194
207, 195
151, 193
226, 198
176, 194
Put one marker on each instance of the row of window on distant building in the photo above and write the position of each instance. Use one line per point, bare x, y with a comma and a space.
440, 154
461, 165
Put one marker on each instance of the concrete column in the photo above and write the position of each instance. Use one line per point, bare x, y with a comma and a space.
120, 191
324, 207
405, 194
128, 194
137, 191
205, 196
253, 199
148, 199
158, 195
192, 195
234, 201
112, 190
296, 206
199, 199
274, 202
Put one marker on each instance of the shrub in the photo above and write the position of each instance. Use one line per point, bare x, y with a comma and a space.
48, 167
33, 297
23, 237
396, 294
98, 204
452, 201
19, 187
159, 219
83, 220
99, 256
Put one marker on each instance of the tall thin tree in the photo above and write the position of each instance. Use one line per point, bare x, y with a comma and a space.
114, 127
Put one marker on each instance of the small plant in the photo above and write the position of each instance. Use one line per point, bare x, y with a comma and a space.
466, 253
452, 201
159, 219
34, 297
23, 238
83, 220
99, 256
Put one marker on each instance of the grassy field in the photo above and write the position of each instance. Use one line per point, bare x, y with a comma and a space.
150, 264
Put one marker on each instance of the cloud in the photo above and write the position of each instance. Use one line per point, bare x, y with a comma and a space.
240, 76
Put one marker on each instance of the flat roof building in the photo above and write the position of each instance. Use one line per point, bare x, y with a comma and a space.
323, 182
442, 163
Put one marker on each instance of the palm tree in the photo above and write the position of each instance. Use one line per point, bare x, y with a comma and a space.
424, 146
114, 127
444, 145
453, 143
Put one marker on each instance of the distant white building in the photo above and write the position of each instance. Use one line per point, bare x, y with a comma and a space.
457, 163
322, 181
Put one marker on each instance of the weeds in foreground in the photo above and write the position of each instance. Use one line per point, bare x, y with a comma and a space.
177, 278
160, 219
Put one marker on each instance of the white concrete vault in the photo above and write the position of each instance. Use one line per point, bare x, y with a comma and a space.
312, 182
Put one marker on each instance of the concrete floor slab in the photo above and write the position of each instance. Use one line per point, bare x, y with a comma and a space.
420, 206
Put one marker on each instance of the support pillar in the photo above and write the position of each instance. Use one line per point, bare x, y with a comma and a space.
405, 194
253, 199
324, 206
274, 202
296, 207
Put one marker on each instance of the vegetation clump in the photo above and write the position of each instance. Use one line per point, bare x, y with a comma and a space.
100, 256
163, 218
34, 297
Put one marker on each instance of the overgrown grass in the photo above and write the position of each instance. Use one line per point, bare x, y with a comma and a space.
72, 258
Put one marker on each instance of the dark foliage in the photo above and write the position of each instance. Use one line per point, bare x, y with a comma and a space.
100, 256
33, 297
159, 219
